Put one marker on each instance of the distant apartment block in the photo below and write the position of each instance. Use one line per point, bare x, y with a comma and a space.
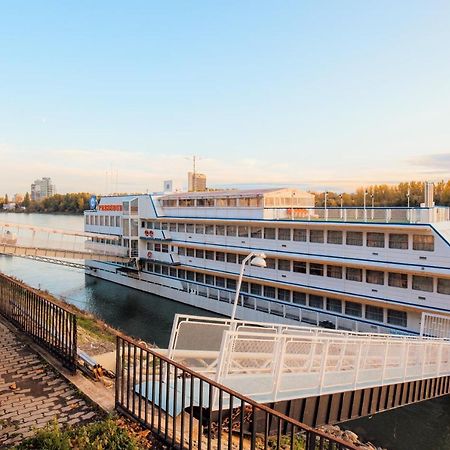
43, 188
196, 182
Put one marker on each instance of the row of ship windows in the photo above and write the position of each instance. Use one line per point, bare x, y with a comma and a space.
103, 220
393, 279
356, 238
353, 309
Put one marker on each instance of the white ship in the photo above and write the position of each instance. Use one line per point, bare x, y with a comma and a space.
360, 269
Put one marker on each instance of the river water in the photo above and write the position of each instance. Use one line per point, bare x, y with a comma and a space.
423, 426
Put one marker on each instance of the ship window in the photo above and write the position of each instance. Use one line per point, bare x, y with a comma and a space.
96, 220
164, 226
87, 220
199, 229
269, 233
241, 258
284, 264
284, 295
149, 267
443, 286
220, 256
232, 258
209, 229
354, 238
209, 279
182, 202
353, 309
150, 246
190, 202
334, 304
316, 301
200, 277
299, 234
181, 274
165, 248
375, 240
209, 254
221, 202
299, 266
420, 283
399, 241
190, 252
181, 228
201, 202
399, 280
190, 276
243, 231
210, 202
220, 281
256, 232
232, 202
165, 270
299, 298
374, 276
157, 225
256, 289
423, 243
269, 291
157, 268
334, 271
399, 318
374, 313
316, 269
199, 253
117, 221
231, 284
102, 221
173, 227
190, 228
173, 272
107, 221
244, 286
220, 230
270, 263
316, 236
353, 274
231, 230
334, 237
284, 234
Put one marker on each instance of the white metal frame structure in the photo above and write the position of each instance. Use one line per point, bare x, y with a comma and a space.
271, 362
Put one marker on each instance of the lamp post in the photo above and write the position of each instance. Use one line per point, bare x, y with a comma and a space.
259, 260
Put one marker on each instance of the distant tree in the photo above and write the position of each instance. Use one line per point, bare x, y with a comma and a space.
26, 201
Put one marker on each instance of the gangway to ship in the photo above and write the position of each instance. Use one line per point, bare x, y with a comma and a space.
49, 245
332, 375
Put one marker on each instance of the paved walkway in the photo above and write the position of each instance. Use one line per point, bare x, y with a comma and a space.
32, 393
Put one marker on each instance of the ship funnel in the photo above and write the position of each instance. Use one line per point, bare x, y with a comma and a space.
429, 195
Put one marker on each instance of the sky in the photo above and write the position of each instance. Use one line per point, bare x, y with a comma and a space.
109, 96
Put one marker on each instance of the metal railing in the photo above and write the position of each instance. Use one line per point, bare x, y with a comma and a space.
275, 362
50, 325
361, 214
187, 410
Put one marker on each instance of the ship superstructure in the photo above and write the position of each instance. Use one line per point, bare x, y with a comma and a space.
360, 269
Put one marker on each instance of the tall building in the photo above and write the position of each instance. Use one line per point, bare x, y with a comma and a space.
196, 182
43, 188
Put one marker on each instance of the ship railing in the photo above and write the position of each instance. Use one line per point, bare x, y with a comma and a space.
361, 214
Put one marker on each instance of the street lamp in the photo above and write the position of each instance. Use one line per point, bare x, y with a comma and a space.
259, 260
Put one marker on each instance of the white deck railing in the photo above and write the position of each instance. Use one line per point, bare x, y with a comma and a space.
271, 362
361, 214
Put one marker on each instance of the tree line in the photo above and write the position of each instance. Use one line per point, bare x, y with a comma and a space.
74, 203
386, 195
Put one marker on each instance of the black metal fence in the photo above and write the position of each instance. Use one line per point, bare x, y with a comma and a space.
188, 410
49, 324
